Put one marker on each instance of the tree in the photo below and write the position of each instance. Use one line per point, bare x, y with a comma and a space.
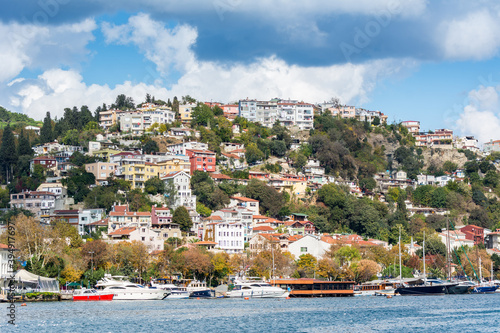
491, 179
367, 184
278, 148
253, 154
182, 218
24, 146
46, 130
365, 270
8, 152
307, 263
270, 200
202, 115
154, 186
376, 121
150, 146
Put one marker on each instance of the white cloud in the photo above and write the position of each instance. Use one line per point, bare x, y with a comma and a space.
169, 49
476, 36
481, 117
31, 46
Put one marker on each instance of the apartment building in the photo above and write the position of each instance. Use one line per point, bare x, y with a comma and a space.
186, 112
413, 126
440, 138
180, 148
201, 160
182, 182
101, 171
139, 122
174, 163
38, 202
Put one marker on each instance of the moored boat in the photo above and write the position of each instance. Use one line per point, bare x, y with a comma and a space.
315, 288
256, 289
91, 295
126, 290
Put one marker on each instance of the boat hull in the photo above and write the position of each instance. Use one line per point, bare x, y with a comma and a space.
421, 290
207, 293
458, 290
257, 294
93, 298
484, 289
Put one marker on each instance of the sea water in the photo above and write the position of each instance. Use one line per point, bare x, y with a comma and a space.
450, 313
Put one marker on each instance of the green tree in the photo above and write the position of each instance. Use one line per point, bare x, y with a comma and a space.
154, 186
203, 210
24, 146
150, 146
170, 192
202, 114
491, 179
253, 154
367, 184
182, 218
8, 152
46, 130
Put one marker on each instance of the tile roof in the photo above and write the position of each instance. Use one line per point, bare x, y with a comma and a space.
263, 228
205, 243
244, 199
129, 214
219, 176
123, 231
258, 217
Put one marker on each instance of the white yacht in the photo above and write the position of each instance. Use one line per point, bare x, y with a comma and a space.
126, 290
174, 292
256, 289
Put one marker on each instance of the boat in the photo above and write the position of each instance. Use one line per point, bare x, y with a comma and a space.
484, 287
91, 295
175, 292
126, 290
315, 288
199, 289
375, 288
418, 286
256, 289
460, 288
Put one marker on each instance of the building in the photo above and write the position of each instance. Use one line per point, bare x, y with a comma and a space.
149, 237
139, 122
250, 204
180, 148
161, 220
38, 202
248, 109
230, 110
172, 164
440, 138
309, 244
492, 240
55, 147
369, 116
413, 126
137, 172
491, 146
87, 217
474, 233
6, 263
467, 143
57, 188
109, 118
101, 171
201, 160
48, 162
229, 236
456, 239
120, 217
186, 112
182, 132
183, 196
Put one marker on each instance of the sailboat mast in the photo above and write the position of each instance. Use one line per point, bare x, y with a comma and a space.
400, 269
480, 270
423, 251
448, 252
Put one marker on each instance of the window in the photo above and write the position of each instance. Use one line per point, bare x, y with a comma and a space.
303, 249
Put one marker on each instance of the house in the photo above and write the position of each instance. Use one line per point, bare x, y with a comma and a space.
263, 242
89, 216
456, 239
492, 240
57, 188
201, 160
146, 235
467, 143
229, 236
138, 122
230, 110
412, 126
309, 244
48, 162
491, 146
181, 132
232, 161
250, 204
122, 217
219, 177
231, 146
6, 263
183, 196
313, 167
161, 220
185, 111
101, 171
40, 203
180, 148
474, 233
173, 163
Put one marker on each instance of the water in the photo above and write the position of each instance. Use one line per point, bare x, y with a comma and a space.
453, 313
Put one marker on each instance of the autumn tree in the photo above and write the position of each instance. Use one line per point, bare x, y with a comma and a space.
365, 270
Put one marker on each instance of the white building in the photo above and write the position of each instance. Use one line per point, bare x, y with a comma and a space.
309, 244
180, 148
139, 122
248, 109
5, 269
313, 167
457, 239
182, 182
149, 237
250, 204
228, 236
467, 142
87, 216
237, 215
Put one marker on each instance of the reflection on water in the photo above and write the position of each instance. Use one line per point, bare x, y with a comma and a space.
453, 313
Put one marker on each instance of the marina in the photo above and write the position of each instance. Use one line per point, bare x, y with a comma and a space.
454, 313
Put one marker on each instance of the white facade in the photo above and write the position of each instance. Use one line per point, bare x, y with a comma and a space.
248, 109
138, 122
238, 215
230, 237
182, 182
309, 244
180, 148
88, 216
5, 271
467, 142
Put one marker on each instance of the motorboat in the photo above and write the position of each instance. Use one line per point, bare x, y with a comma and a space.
175, 292
126, 290
256, 289
91, 295
199, 289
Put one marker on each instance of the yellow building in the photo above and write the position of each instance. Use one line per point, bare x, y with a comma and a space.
138, 172
105, 153
185, 111
173, 165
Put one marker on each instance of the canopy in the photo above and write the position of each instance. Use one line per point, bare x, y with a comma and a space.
40, 282
73, 284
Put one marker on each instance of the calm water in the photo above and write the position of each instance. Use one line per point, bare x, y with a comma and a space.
454, 313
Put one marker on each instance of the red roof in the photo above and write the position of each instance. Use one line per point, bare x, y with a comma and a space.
213, 218
219, 176
255, 217
206, 243
263, 228
244, 199
123, 231
130, 214
197, 151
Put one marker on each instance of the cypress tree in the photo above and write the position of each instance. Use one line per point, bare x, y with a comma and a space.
24, 146
8, 152
46, 134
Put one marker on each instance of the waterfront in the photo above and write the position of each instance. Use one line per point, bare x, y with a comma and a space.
453, 313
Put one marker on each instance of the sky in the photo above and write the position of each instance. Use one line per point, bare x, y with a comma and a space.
433, 61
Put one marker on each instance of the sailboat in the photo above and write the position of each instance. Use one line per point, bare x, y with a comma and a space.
484, 288
417, 287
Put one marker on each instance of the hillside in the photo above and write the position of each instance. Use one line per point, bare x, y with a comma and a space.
15, 118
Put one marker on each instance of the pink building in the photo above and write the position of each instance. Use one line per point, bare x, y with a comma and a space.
230, 110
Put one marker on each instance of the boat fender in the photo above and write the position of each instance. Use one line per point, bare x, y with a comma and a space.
24, 304
247, 298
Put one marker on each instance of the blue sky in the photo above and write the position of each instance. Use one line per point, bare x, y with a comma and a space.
433, 61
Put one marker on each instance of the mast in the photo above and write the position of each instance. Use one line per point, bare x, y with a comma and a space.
400, 270
423, 251
448, 259
480, 271
491, 276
